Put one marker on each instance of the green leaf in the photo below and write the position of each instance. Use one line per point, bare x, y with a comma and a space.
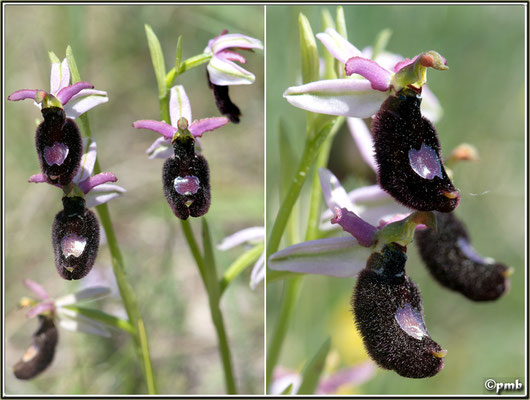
341, 23
74, 72
178, 53
329, 61
158, 60
53, 58
313, 369
103, 317
309, 51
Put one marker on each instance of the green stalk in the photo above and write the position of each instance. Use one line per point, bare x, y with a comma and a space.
308, 157
239, 265
292, 290
118, 267
186, 65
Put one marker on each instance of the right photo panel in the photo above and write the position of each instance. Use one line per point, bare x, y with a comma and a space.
395, 199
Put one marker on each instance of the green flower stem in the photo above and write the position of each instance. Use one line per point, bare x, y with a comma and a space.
101, 316
292, 290
308, 157
186, 65
239, 265
126, 291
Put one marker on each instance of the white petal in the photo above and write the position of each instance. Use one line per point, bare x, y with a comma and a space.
341, 257
88, 294
79, 105
88, 161
258, 272
79, 323
160, 148
225, 72
102, 194
256, 233
363, 139
349, 97
337, 46
334, 194
179, 105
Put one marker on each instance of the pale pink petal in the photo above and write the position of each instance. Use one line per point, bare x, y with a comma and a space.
283, 378
72, 321
338, 46
37, 289
348, 97
378, 76
96, 180
353, 376
334, 194
160, 148
65, 94
224, 72
40, 309
234, 40
23, 94
37, 178
253, 234
364, 141
84, 101
356, 226
430, 106
258, 272
64, 75
179, 105
87, 161
86, 294
102, 194
341, 257
55, 78
158, 126
197, 128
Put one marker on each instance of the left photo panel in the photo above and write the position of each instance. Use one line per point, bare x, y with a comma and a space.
134, 200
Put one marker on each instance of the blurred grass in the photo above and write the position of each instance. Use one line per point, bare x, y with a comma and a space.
482, 95
111, 51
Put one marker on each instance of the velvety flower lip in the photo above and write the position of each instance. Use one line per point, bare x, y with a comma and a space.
97, 188
368, 81
77, 99
222, 69
251, 235
179, 107
68, 319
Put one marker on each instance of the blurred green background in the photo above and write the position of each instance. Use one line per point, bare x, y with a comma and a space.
483, 98
111, 50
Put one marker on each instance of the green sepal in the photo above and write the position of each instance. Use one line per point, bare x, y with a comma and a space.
308, 50
158, 60
329, 60
53, 58
381, 40
178, 53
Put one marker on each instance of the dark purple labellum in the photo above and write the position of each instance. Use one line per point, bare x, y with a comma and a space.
40, 354
454, 263
407, 152
186, 180
59, 146
389, 315
223, 102
75, 236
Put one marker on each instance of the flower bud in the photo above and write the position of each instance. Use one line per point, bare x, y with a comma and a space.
59, 146
75, 236
407, 152
389, 316
454, 263
186, 180
223, 102
40, 354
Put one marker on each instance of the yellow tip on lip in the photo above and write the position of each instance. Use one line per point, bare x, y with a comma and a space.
509, 272
69, 269
451, 195
440, 354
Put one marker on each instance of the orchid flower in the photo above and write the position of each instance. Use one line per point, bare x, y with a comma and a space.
96, 188
58, 308
329, 383
361, 97
345, 256
251, 236
179, 107
76, 99
222, 70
